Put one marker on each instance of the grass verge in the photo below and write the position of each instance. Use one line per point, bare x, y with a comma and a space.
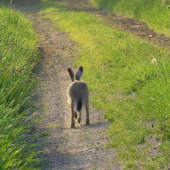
18, 55
155, 13
128, 78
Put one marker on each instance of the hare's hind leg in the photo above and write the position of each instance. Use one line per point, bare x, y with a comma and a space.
86, 104
72, 117
79, 118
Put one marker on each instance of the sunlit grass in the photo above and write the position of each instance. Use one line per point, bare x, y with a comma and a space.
18, 56
125, 83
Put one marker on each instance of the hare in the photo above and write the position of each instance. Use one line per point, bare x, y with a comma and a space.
78, 97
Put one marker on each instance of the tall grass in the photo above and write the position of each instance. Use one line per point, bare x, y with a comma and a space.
129, 79
18, 55
156, 13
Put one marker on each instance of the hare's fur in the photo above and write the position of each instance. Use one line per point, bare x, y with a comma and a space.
78, 97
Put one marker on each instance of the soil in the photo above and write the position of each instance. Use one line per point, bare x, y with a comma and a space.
83, 147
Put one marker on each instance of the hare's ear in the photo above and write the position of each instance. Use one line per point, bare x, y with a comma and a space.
79, 73
71, 73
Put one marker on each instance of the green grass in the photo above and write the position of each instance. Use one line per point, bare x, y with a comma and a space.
125, 83
155, 13
18, 56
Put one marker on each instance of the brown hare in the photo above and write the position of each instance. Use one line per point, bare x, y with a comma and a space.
78, 97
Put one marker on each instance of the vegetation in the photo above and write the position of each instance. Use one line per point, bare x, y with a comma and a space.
18, 55
129, 79
156, 13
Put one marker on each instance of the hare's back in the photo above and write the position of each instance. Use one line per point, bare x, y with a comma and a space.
78, 88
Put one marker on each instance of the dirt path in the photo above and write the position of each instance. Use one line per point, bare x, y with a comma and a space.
79, 148
82, 148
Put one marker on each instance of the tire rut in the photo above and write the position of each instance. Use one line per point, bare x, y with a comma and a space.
137, 28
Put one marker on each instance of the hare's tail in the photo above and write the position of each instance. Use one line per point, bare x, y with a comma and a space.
78, 105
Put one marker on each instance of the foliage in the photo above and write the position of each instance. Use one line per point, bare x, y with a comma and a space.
18, 55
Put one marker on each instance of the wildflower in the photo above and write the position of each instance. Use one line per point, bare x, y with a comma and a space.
154, 61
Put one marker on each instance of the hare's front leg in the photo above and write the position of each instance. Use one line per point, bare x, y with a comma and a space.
72, 118
75, 115
87, 112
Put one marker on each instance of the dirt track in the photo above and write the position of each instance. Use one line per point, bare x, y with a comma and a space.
79, 148
65, 149
82, 148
